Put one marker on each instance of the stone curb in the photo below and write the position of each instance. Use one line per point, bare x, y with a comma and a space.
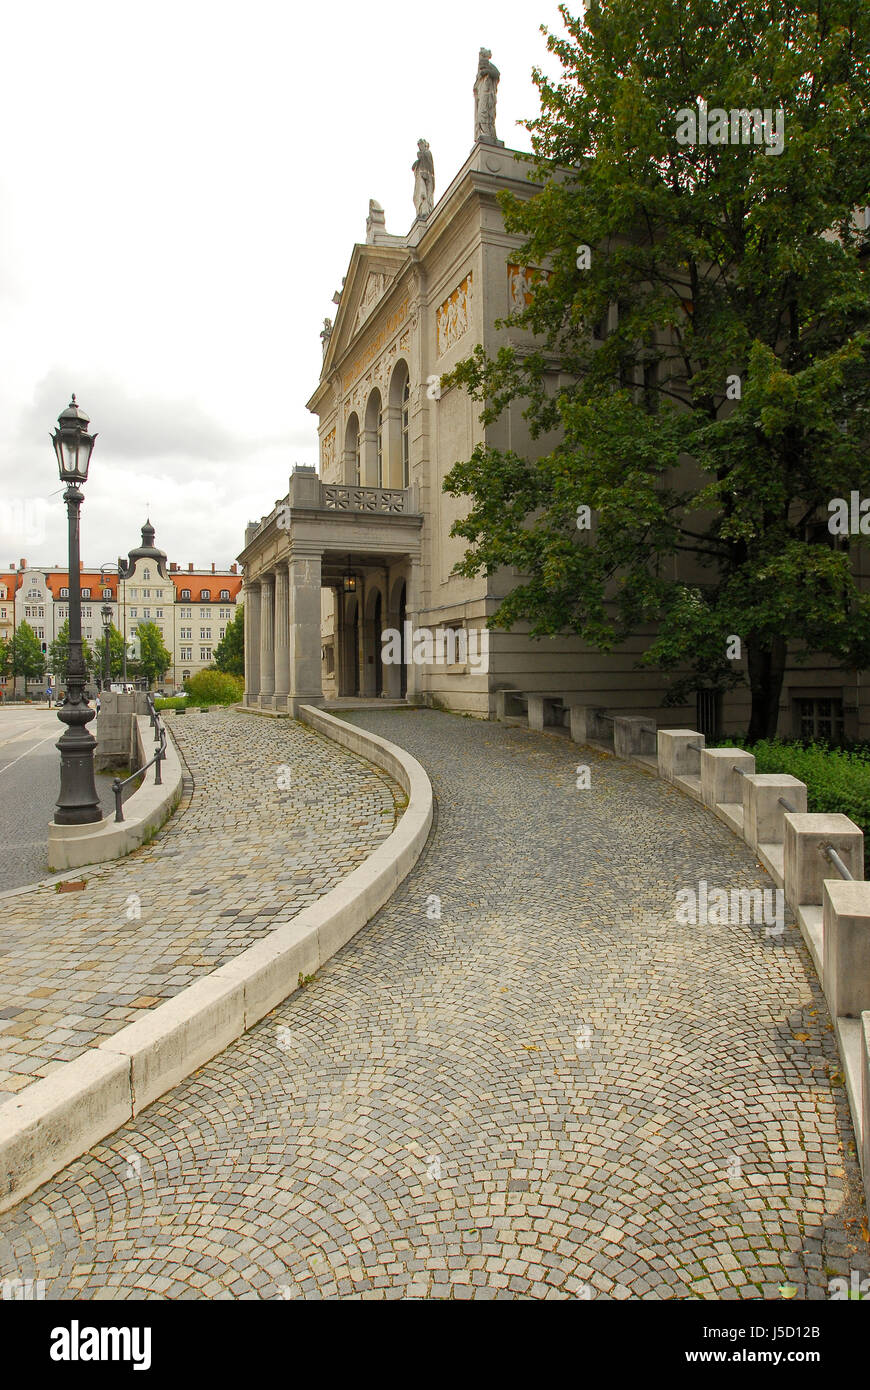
61, 1116
74, 846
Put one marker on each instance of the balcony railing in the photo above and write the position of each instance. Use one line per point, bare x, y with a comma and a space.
337, 497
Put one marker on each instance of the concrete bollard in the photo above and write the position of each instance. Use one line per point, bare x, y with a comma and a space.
763, 817
676, 758
587, 723
509, 704
629, 731
846, 972
805, 865
720, 784
545, 712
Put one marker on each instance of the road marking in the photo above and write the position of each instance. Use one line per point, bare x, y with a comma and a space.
26, 751
16, 738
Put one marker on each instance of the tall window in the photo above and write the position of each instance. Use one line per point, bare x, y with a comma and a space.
358, 462
379, 438
406, 433
821, 719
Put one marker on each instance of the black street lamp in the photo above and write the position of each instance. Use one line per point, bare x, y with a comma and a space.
106, 611
78, 803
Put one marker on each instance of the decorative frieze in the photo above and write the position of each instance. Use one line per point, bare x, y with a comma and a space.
521, 283
327, 452
453, 316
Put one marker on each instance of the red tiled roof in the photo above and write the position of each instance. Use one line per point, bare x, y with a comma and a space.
89, 580
12, 581
195, 580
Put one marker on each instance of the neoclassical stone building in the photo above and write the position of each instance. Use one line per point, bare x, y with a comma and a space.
363, 545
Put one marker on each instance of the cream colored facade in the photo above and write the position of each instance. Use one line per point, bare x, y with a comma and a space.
409, 309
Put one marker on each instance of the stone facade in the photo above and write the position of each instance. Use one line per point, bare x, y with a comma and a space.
410, 308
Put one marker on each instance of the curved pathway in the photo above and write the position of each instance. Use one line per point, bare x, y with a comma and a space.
524, 1078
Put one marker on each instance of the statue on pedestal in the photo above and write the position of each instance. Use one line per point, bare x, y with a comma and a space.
326, 334
423, 170
485, 90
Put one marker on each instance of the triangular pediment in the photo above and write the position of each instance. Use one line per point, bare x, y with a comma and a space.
371, 274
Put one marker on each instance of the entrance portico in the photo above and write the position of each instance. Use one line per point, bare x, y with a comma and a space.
311, 541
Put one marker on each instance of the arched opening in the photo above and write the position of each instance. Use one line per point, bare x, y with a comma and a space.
373, 669
352, 458
398, 427
373, 442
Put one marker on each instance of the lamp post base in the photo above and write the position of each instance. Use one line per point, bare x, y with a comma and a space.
78, 802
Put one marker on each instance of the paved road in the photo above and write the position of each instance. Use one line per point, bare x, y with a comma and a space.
29, 784
551, 1089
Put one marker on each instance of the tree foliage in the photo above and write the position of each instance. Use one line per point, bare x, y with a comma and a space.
708, 262
229, 654
58, 655
154, 659
27, 658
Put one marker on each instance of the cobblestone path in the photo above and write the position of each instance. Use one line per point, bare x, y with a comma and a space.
245, 855
551, 1090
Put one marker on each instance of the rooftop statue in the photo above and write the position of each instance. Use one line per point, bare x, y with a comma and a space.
485, 90
423, 170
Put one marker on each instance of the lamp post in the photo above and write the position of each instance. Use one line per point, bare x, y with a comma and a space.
106, 611
77, 803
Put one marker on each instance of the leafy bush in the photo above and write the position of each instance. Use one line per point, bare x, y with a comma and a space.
838, 780
171, 702
211, 687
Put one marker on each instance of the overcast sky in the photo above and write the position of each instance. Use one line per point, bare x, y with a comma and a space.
181, 188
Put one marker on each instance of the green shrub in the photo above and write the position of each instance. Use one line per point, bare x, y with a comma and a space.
171, 702
838, 780
211, 687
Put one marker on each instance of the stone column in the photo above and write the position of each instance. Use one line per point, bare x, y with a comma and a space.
413, 599
252, 642
369, 456
282, 637
306, 685
393, 672
392, 432
267, 641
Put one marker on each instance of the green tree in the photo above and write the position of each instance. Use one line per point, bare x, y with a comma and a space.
229, 654
27, 657
5, 656
58, 654
710, 265
116, 653
154, 658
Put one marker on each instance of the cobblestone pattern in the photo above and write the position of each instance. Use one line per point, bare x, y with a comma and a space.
551, 1091
245, 856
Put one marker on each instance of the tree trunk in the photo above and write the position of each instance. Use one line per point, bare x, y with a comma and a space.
766, 665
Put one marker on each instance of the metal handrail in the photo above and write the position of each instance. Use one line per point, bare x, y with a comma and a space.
696, 747
833, 857
787, 804
160, 729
